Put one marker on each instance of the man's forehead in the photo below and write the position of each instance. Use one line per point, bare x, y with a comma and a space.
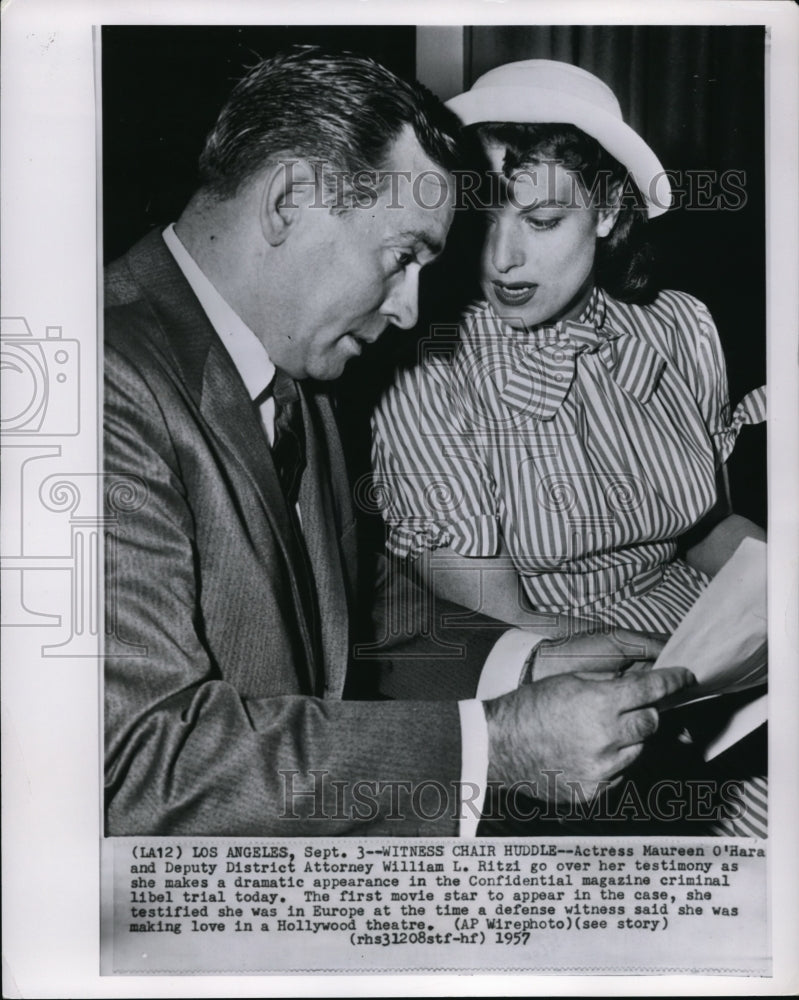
407, 160
405, 153
417, 194
413, 225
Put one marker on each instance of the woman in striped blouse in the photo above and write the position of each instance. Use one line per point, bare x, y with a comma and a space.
570, 449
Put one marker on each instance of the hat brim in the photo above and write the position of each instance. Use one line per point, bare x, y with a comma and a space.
532, 106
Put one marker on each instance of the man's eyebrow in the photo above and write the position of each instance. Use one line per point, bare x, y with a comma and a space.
415, 236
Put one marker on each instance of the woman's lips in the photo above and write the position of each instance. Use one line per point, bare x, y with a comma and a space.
514, 293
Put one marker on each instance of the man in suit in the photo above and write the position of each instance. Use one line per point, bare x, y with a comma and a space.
231, 579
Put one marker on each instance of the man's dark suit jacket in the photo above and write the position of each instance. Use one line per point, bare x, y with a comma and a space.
210, 687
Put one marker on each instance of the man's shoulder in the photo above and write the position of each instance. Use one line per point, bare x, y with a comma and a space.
125, 278
119, 285
131, 333
137, 288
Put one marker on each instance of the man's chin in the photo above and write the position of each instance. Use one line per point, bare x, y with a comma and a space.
328, 369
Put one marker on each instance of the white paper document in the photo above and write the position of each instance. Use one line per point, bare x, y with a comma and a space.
723, 640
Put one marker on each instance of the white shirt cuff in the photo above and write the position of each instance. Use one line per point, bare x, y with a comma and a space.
502, 672
474, 765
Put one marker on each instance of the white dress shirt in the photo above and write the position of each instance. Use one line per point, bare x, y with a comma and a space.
502, 670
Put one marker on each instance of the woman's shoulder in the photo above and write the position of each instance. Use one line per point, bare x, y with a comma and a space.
672, 318
682, 307
668, 305
679, 327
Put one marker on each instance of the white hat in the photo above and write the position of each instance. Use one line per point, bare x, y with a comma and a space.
542, 90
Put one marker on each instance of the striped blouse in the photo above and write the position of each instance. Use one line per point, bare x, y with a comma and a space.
588, 447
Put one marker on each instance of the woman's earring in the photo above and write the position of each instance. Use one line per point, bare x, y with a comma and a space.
605, 225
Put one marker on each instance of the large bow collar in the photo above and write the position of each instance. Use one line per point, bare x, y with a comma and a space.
544, 361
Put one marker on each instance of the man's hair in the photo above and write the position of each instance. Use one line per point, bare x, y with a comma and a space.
624, 260
338, 109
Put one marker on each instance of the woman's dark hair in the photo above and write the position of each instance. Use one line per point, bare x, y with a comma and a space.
337, 108
624, 260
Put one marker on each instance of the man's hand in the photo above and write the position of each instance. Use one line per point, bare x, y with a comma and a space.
586, 730
592, 651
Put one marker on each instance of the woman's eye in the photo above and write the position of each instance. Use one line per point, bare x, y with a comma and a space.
542, 224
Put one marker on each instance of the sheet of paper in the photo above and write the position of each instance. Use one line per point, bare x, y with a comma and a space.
740, 724
723, 638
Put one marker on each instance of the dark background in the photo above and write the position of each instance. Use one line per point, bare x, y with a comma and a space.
162, 90
694, 93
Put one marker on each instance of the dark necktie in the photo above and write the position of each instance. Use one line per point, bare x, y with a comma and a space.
288, 447
288, 455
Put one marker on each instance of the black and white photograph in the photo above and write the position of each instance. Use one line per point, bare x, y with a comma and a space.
554, 482
408, 483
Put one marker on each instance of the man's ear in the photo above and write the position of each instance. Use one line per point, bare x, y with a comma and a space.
609, 213
288, 187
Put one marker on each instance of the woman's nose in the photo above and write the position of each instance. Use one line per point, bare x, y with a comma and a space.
505, 248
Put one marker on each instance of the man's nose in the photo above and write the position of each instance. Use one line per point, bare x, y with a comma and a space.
401, 306
505, 248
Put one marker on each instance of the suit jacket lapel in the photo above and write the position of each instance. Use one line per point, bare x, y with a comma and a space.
207, 370
213, 382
